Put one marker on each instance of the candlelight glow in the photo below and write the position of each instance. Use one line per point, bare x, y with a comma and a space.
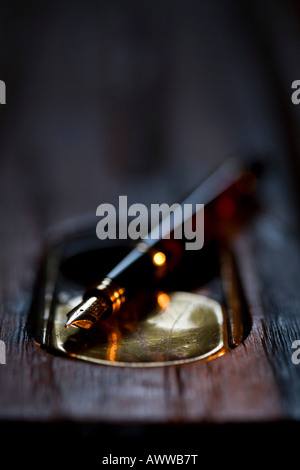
111, 352
159, 258
163, 300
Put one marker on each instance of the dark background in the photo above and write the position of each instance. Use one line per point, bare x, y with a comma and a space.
144, 99
137, 98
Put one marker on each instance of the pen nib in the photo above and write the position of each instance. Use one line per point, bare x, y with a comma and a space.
87, 313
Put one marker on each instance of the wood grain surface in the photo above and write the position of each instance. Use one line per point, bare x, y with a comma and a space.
145, 99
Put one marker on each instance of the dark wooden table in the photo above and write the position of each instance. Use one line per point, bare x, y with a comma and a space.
144, 99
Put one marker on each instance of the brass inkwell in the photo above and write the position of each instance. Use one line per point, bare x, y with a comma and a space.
154, 303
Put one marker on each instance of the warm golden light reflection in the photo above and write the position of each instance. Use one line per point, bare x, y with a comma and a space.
221, 353
179, 327
159, 258
117, 298
111, 351
163, 300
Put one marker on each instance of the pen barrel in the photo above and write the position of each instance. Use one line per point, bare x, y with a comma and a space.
152, 258
137, 270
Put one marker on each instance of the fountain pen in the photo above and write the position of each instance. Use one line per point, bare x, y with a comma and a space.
110, 294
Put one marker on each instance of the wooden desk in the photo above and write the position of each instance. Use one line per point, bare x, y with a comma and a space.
145, 101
